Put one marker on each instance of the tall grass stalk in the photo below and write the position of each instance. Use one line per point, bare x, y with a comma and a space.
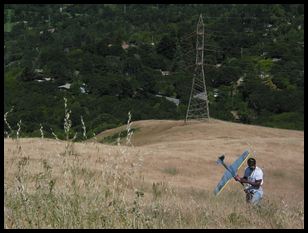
7, 123
18, 145
53, 134
69, 146
67, 121
84, 128
41, 131
129, 130
57, 141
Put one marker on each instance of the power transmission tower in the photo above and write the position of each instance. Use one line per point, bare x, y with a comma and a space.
198, 107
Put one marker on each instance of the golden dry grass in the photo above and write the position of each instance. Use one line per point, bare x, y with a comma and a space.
193, 149
172, 165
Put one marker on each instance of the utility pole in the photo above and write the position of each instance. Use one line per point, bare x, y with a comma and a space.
198, 107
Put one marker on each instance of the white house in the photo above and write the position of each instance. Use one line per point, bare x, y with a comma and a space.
65, 86
164, 72
51, 30
125, 45
39, 71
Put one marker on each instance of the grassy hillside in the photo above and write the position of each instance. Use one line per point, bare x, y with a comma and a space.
165, 179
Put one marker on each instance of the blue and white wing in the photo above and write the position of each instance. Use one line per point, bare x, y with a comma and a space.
239, 162
223, 182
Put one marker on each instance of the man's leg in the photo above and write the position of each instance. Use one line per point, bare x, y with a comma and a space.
256, 198
248, 197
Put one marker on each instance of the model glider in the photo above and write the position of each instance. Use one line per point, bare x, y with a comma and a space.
231, 171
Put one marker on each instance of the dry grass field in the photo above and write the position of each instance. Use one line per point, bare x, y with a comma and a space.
164, 179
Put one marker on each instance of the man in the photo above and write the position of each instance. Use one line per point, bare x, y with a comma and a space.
253, 178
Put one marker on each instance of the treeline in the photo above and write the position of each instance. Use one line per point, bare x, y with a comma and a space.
118, 58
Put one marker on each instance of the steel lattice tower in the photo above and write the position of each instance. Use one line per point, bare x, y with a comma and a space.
198, 107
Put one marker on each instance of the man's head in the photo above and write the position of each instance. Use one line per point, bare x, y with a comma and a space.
251, 162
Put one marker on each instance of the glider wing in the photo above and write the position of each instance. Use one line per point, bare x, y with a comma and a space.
239, 162
229, 175
223, 182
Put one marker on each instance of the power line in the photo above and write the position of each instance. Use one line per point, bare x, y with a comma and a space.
252, 17
191, 54
188, 35
210, 30
213, 32
243, 69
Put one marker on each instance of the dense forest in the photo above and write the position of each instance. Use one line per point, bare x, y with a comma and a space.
109, 59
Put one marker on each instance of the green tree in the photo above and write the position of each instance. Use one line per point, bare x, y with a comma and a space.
167, 47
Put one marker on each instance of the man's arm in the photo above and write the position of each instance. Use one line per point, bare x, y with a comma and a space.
257, 183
